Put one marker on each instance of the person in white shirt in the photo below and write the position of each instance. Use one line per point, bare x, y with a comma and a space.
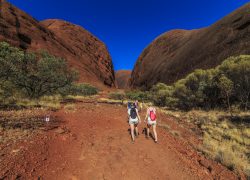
150, 119
134, 120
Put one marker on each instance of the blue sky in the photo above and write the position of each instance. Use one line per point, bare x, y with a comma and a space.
128, 26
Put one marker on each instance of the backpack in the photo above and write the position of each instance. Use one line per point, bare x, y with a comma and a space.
133, 113
129, 105
152, 116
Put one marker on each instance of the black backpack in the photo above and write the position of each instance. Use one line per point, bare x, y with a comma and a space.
133, 113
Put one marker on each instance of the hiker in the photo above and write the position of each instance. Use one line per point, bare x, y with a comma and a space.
134, 119
141, 106
129, 105
151, 121
137, 105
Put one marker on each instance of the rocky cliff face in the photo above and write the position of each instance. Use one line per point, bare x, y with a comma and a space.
176, 53
81, 49
122, 78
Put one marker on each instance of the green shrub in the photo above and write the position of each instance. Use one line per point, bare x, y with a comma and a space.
137, 95
237, 69
117, 96
191, 91
162, 95
83, 90
34, 75
226, 86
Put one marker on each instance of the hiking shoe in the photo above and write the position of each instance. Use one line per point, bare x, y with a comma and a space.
156, 142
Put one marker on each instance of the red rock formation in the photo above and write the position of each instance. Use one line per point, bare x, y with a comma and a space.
122, 78
175, 54
80, 48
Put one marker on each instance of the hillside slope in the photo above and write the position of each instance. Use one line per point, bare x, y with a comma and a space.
122, 78
81, 49
176, 53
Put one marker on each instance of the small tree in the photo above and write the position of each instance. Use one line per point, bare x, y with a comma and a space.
237, 69
80, 89
32, 75
117, 96
162, 95
137, 95
226, 87
9, 58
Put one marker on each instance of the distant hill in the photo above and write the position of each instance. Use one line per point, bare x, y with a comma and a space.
176, 53
82, 50
122, 78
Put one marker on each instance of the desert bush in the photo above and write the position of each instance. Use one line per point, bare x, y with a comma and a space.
237, 69
137, 95
117, 96
162, 95
34, 75
80, 89
191, 91
226, 86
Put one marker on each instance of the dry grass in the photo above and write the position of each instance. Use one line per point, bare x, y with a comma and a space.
225, 139
70, 108
228, 152
168, 128
164, 126
176, 133
48, 102
51, 102
107, 100
19, 124
78, 97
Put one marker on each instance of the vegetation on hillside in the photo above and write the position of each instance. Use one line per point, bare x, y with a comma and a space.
26, 78
227, 86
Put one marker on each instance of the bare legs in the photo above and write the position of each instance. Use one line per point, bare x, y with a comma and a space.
148, 126
136, 130
154, 130
155, 134
133, 131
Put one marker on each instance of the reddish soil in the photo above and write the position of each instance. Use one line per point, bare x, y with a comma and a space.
93, 142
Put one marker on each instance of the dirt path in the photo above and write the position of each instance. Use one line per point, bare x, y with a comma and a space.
94, 143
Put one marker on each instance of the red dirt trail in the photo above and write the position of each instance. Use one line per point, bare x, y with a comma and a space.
94, 143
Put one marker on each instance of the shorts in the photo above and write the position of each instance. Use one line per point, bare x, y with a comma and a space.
133, 121
151, 122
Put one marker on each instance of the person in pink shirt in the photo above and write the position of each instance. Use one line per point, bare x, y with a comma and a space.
150, 119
